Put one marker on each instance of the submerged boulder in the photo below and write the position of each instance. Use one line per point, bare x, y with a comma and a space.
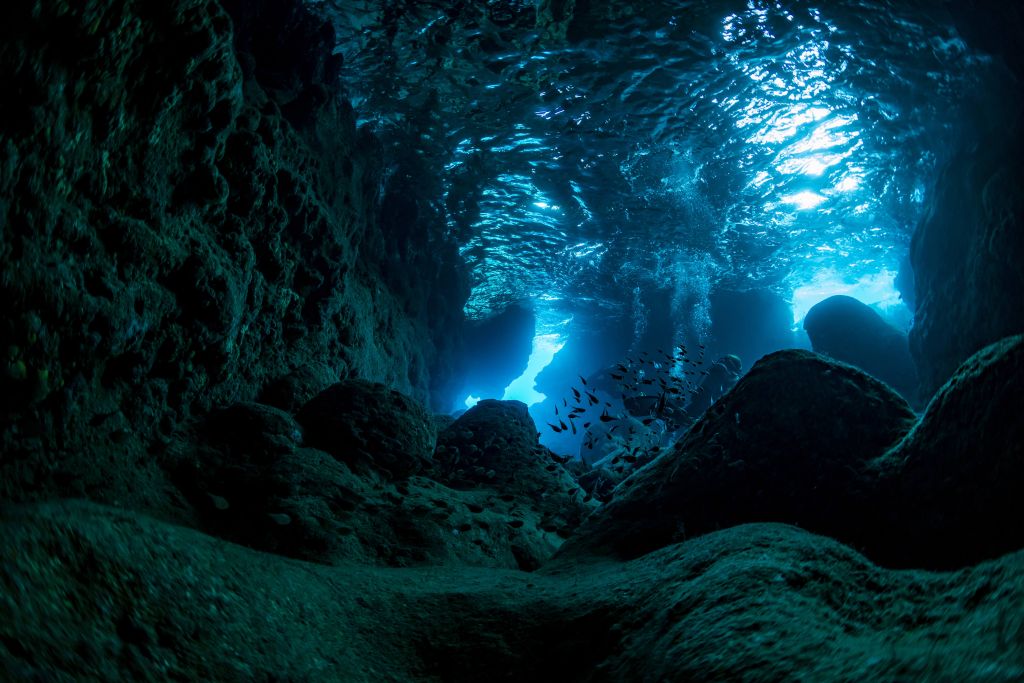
369, 426
494, 446
807, 441
792, 442
850, 331
953, 491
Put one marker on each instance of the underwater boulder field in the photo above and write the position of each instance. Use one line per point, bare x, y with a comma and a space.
511, 340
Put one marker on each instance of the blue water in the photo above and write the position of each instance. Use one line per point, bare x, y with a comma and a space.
693, 145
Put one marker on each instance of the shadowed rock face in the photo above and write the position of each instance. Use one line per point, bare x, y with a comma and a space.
790, 443
967, 251
189, 214
852, 332
811, 442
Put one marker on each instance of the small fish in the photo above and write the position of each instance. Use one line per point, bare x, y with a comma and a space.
565, 404
576, 393
629, 458
562, 425
554, 427
573, 427
586, 424
583, 380
556, 410
594, 400
616, 377
647, 421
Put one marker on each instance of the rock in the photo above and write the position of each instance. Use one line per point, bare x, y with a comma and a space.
293, 390
967, 250
494, 446
792, 442
852, 332
366, 425
952, 490
178, 237
95, 593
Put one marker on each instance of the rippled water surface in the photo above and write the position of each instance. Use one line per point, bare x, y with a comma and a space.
791, 145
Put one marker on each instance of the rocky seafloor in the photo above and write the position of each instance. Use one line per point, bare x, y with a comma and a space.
361, 543
228, 323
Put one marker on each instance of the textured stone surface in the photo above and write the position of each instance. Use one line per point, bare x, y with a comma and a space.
494, 446
92, 593
369, 426
189, 214
792, 442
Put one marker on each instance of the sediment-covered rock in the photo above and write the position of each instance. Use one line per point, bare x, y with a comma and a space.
494, 446
353, 481
95, 593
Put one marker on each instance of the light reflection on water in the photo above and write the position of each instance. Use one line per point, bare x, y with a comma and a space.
763, 147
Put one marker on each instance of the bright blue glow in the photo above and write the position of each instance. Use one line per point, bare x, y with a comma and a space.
804, 200
472, 401
545, 346
874, 290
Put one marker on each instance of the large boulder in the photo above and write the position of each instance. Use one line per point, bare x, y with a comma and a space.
494, 447
367, 425
850, 331
792, 442
815, 443
952, 491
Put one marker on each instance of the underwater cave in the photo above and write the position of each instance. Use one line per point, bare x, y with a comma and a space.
579, 340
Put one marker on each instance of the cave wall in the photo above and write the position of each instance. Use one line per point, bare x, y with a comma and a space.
189, 215
967, 252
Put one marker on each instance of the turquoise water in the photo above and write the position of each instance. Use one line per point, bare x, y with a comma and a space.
692, 145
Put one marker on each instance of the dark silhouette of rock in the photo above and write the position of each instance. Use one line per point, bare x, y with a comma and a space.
846, 329
815, 443
968, 249
792, 442
369, 426
497, 351
952, 489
